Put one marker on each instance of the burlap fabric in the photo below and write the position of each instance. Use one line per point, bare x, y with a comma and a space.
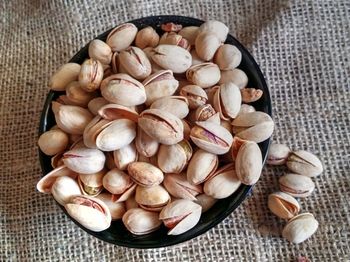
303, 50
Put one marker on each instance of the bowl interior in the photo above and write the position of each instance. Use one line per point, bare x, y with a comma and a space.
117, 233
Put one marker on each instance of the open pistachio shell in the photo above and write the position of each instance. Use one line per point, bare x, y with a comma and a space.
91, 75
195, 95
121, 37
96, 103
145, 174
114, 111
64, 188
145, 145
278, 154
201, 166
117, 209
304, 163
91, 184
296, 185
176, 105
204, 75
147, 37
283, 205
227, 57
100, 51
190, 33
141, 222
116, 181
227, 101
178, 186
124, 156
152, 198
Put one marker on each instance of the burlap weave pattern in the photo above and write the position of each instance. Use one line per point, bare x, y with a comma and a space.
303, 50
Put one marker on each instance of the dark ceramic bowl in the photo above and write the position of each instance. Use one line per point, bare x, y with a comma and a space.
117, 233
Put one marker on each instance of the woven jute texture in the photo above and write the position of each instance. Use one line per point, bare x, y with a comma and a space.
303, 50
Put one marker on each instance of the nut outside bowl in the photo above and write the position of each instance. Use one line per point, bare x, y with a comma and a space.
117, 234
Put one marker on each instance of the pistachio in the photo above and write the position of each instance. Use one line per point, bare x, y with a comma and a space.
304, 163
96, 103
174, 158
108, 141
53, 142
147, 37
236, 76
204, 75
255, 126
171, 27
91, 75
71, 119
152, 198
140, 222
64, 75
222, 183
205, 201
114, 112
172, 38
296, 185
196, 60
91, 184
160, 84
172, 57
190, 33
206, 112
283, 205
84, 160
100, 51
145, 145
227, 101
145, 174
278, 154
123, 89
178, 186
162, 126
300, 228
135, 62
117, 209
56, 160
202, 165
124, 156
63, 188
77, 95
90, 212
176, 105
227, 57
149, 52
121, 37
93, 129
216, 27
180, 216
246, 109
210, 93
117, 182
211, 137
250, 95
206, 45
195, 95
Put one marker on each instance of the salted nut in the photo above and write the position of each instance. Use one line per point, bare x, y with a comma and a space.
195, 95
114, 111
201, 166
117, 209
204, 75
216, 27
121, 37
124, 156
141, 222
91, 74
152, 198
147, 37
228, 57
296, 185
100, 51
178, 186
145, 145
145, 174
206, 44
64, 75
53, 142
227, 101
96, 103
91, 184
64, 188
236, 76
304, 163
250, 95
283, 205
176, 105
278, 154
190, 33
172, 38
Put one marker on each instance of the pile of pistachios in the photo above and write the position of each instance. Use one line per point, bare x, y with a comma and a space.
153, 129
298, 184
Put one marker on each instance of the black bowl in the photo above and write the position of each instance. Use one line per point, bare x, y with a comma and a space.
117, 233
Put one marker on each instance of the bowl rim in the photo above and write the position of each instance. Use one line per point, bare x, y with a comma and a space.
218, 219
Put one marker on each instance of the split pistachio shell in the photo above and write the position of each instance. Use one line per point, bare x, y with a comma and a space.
114, 111
206, 45
147, 37
190, 33
211, 137
90, 212
91, 75
278, 154
283, 205
123, 89
172, 38
45, 183
71, 119
210, 93
205, 201
206, 112
56, 160
196, 60
160, 84
296, 185
64, 75
96, 103
124, 156
222, 183
131, 203
176, 105
145, 174
179, 187
304, 163
250, 95
84, 160
255, 126
145, 145
53, 142
117, 209
215, 27
100, 51
121, 37
227, 101
93, 129
64, 188
116, 181
152, 198
91, 184
195, 95
172, 57
228, 57
204, 75
202, 165
108, 141
135, 62
162, 126
300, 228
248, 163
155, 67
246, 109
140, 222
235, 76
77, 95
180, 216
174, 158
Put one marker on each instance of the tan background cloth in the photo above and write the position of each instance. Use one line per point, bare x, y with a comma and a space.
303, 50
